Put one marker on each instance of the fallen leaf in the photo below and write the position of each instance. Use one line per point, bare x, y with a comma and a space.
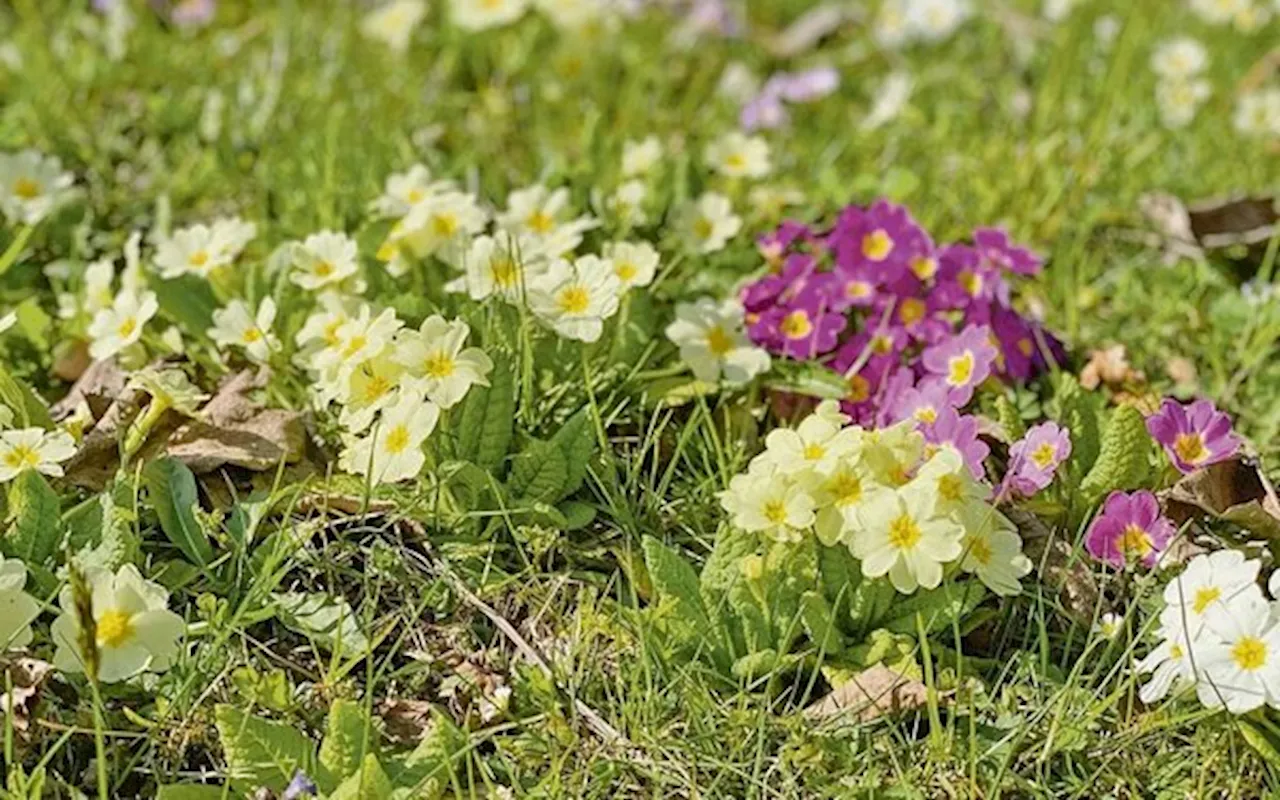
1061, 567
1225, 223
1182, 371
1109, 367
99, 386
406, 720
26, 676
1236, 491
71, 360
871, 694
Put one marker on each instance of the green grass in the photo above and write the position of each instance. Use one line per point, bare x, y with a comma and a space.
1043, 709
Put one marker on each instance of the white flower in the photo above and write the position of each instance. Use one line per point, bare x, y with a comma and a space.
713, 343
404, 190
627, 203
891, 98
115, 328
392, 451
640, 157
32, 186
439, 224
635, 263
1170, 662
97, 293
542, 214
236, 326
436, 356
320, 330
818, 443
710, 222
1239, 658
935, 20
1057, 10
393, 23
1180, 58
738, 83
839, 493
1220, 11
900, 535
357, 340
501, 265
17, 608
736, 155
168, 388
1179, 100
324, 259
769, 504
1258, 113
201, 249
772, 201
575, 299
891, 27
993, 549
135, 631
475, 15
370, 387
1109, 625
1209, 581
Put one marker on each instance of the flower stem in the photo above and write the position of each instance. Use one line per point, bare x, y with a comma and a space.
14, 249
138, 432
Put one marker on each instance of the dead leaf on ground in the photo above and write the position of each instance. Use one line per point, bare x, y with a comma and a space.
26, 675
1060, 567
1189, 229
99, 386
871, 694
406, 720
1109, 367
1236, 491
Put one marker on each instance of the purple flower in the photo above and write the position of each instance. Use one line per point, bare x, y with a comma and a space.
1016, 340
961, 432
806, 86
923, 402
1130, 528
779, 287
1035, 458
878, 237
1193, 435
995, 249
962, 361
192, 13
967, 281
801, 331
763, 112
301, 786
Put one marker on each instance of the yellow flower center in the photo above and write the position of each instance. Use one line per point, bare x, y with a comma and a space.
444, 225
415, 196
1190, 448
960, 369
322, 269
1249, 653
397, 440
775, 511
439, 365
877, 245
950, 488
980, 549
1205, 595
882, 345
626, 271
504, 272
735, 161
251, 335
859, 389
1043, 455
926, 414
199, 258
127, 326
22, 456
719, 342
388, 251
1135, 542
703, 228
911, 311
904, 533
354, 346
857, 290
924, 268
845, 488
814, 451
970, 281
1175, 651
796, 325
114, 628
26, 188
574, 300
330, 333
540, 222
1025, 347
377, 386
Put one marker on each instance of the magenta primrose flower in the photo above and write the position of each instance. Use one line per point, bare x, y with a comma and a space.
1035, 458
1193, 435
923, 402
961, 432
1130, 528
995, 248
962, 361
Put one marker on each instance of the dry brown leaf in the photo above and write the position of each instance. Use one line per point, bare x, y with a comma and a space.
99, 386
1061, 567
26, 675
1110, 367
871, 694
1235, 490
406, 720
1182, 371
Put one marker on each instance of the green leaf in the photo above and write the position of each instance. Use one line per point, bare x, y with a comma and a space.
676, 583
191, 791
329, 621
172, 489
28, 409
115, 541
1124, 461
577, 441
369, 782
348, 738
1263, 744
261, 752
841, 575
807, 378
940, 607
189, 301
539, 472
484, 423
577, 515
35, 531
820, 623
430, 770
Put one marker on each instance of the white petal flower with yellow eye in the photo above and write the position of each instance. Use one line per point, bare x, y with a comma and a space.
640, 157
992, 548
1238, 657
935, 20
404, 190
440, 224
169, 388
1258, 113
115, 328
769, 504
898, 535
1179, 59
17, 608
32, 186
393, 23
476, 15
200, 249
816, 444
135, 631
950, 481
324, 259
838, 494
545, 215
371, 387
357, 340
235, 326
635, 263
320, 330
736, 155
714, 344
500, 265
392, 450
575, 299
96, 293
1210, 581
709, 222
627, 203
892, 453
1170, 663
442, 366
1179, 100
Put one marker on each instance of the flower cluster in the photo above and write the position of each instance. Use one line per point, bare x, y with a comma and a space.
1180, 90
1218, 632
899, 317
905, 506
32, 186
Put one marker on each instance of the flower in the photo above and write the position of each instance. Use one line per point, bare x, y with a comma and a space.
115, 328
501, 265
1240, 659
1034, 459
962, 361
1194, 435
442, 368
32, 186
392, 450
935, 20
993, 549
356, 340
439, 224
1210, 582
134, 631
1258, 113
1169, 662
34, 448
324, 259
201, 249
575, 299
366, 390
640, 157
891, 97
736, 155
765, 504
709, 222
17, 608
404, 190
959, 432
627, 203
1179, 59
476, 15
168, 388
542, 215
817, 443
235, 326
713, 343
1178, 100
393, 23
901, 535
1130, 528
634, 263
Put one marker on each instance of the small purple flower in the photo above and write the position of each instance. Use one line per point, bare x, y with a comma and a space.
801, 331
962, 361
805, 86
301, 786
1130, 528
1193, 435
774, 244
960, 431
923, 402
1016, 340
967, 281
995, 248
878, 237
779, 287
765, 111
1035, 458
